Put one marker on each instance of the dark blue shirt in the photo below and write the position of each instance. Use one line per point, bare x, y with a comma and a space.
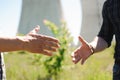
111, 24
2, 67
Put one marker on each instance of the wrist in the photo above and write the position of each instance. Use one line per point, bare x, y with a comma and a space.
23, 42
91, 48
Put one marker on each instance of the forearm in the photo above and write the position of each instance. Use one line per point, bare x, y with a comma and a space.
99, 44
10, 44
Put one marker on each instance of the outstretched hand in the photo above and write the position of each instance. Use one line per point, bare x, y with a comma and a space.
81, 53
38, 43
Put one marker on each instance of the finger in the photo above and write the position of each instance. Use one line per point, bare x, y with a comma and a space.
45, 52
76, 53
35, 30
51, 39
82, 40
49, 48
52, 44
83, 60
76, 60
46, 38
73, 59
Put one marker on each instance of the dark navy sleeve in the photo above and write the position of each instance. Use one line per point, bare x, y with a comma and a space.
106, 31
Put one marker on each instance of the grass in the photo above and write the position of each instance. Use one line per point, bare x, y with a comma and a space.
97, 67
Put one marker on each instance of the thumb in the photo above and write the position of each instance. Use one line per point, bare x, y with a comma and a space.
35, 30
82, 40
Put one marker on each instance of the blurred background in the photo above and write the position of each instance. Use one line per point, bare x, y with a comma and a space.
82, 17
21, 16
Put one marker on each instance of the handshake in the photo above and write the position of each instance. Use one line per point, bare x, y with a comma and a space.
37, 43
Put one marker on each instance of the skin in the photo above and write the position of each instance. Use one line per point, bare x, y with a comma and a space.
83, 52
32, 42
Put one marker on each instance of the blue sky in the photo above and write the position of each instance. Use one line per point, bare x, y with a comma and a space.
73, 16
10, 14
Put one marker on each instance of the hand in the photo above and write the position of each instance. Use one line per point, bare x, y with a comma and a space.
38, 43
82, 52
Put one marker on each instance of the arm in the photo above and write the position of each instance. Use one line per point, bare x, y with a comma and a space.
11, 44
86, 49
32, 42
98, 44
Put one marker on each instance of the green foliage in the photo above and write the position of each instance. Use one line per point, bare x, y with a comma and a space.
53, 64
97, 67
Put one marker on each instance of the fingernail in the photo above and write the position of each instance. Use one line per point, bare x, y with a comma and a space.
73, 59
